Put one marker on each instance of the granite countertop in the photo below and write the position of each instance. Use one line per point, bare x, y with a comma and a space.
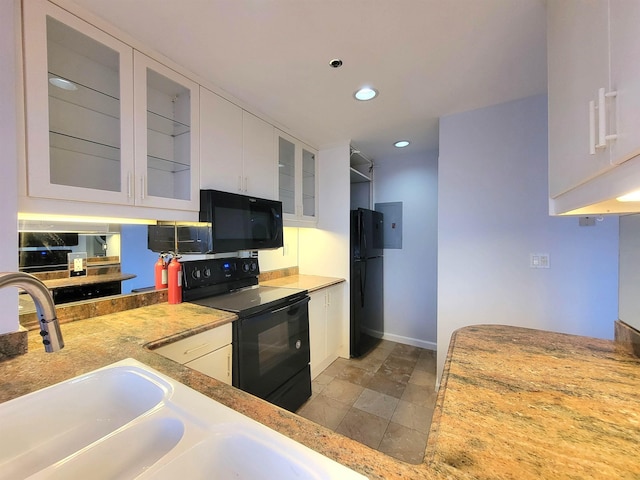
517, 403
87, 280
303, 282
514, 403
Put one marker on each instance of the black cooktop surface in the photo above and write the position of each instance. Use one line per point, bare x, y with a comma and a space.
251, 300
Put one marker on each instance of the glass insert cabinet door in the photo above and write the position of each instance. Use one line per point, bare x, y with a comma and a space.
105, 123
166, 118
79, 97
287, 175
297, 180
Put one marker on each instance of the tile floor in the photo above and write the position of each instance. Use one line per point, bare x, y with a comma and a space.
384, 399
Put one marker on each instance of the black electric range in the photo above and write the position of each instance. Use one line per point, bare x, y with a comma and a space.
271, 337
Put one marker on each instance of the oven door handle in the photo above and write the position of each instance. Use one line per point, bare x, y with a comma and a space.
292, 305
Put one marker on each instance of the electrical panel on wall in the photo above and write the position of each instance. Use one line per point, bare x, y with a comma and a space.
392, 214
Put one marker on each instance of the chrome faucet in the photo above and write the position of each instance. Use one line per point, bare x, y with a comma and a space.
49, 325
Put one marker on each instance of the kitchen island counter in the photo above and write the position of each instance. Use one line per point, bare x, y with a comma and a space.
514, 403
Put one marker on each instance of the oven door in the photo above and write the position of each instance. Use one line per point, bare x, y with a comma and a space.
270, 348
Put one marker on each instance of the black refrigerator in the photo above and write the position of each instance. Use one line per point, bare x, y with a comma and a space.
366, 273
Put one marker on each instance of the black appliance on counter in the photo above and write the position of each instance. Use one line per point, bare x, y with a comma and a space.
229, 222
366, 275
271, 338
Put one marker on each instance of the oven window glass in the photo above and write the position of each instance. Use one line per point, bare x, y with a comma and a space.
272, 344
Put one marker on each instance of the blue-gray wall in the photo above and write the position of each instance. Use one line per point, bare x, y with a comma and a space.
493, 212
410, 273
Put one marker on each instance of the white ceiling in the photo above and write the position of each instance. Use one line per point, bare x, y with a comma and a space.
428, 58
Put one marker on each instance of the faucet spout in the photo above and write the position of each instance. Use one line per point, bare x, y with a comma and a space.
49, 325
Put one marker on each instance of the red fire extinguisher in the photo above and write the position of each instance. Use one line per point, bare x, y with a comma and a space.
160, 272
175, 280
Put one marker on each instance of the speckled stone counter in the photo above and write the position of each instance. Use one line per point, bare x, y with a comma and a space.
514, 403
517, 403
304, 282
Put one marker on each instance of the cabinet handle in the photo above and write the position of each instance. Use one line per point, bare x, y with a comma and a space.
602, 118
246, 184
611, 136
129, 185
228, 365
194, 349
142, 192
592, 127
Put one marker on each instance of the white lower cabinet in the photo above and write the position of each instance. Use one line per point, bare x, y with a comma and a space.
208, 352
326, 326
216, 364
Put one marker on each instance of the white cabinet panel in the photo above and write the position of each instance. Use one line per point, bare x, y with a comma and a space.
259, 164
624, 17
326, 326
216, 364
317, 331
209, 352
237, 149
220, 143
578, 65
594, 104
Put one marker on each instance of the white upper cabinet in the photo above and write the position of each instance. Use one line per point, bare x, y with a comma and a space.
594, 98
166, 136
79, 87
297, 181
237, 153
259, 164
578, 62
79, 108
624, 18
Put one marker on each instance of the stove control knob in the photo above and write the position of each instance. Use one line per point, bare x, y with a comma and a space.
254, 266
207, 272
245, 267
195, 274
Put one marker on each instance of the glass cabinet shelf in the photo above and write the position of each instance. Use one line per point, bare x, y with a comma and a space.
166, 165
165, 125
84, 97
86, 148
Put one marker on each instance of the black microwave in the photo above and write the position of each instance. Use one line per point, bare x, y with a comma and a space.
229, 222
241, 222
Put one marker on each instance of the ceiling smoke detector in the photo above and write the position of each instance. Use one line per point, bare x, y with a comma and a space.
335, 63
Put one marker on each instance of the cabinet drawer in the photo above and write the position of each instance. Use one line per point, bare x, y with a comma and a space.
190, 348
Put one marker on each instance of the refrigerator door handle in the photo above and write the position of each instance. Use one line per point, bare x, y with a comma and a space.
363, 282
363, 236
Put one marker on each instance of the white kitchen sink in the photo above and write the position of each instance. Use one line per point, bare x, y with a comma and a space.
129, 421
46, 426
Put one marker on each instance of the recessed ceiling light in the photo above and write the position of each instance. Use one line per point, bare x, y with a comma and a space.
365, 93
62, 83
401, 143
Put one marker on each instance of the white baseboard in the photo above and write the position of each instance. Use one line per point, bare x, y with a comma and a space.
414, 342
